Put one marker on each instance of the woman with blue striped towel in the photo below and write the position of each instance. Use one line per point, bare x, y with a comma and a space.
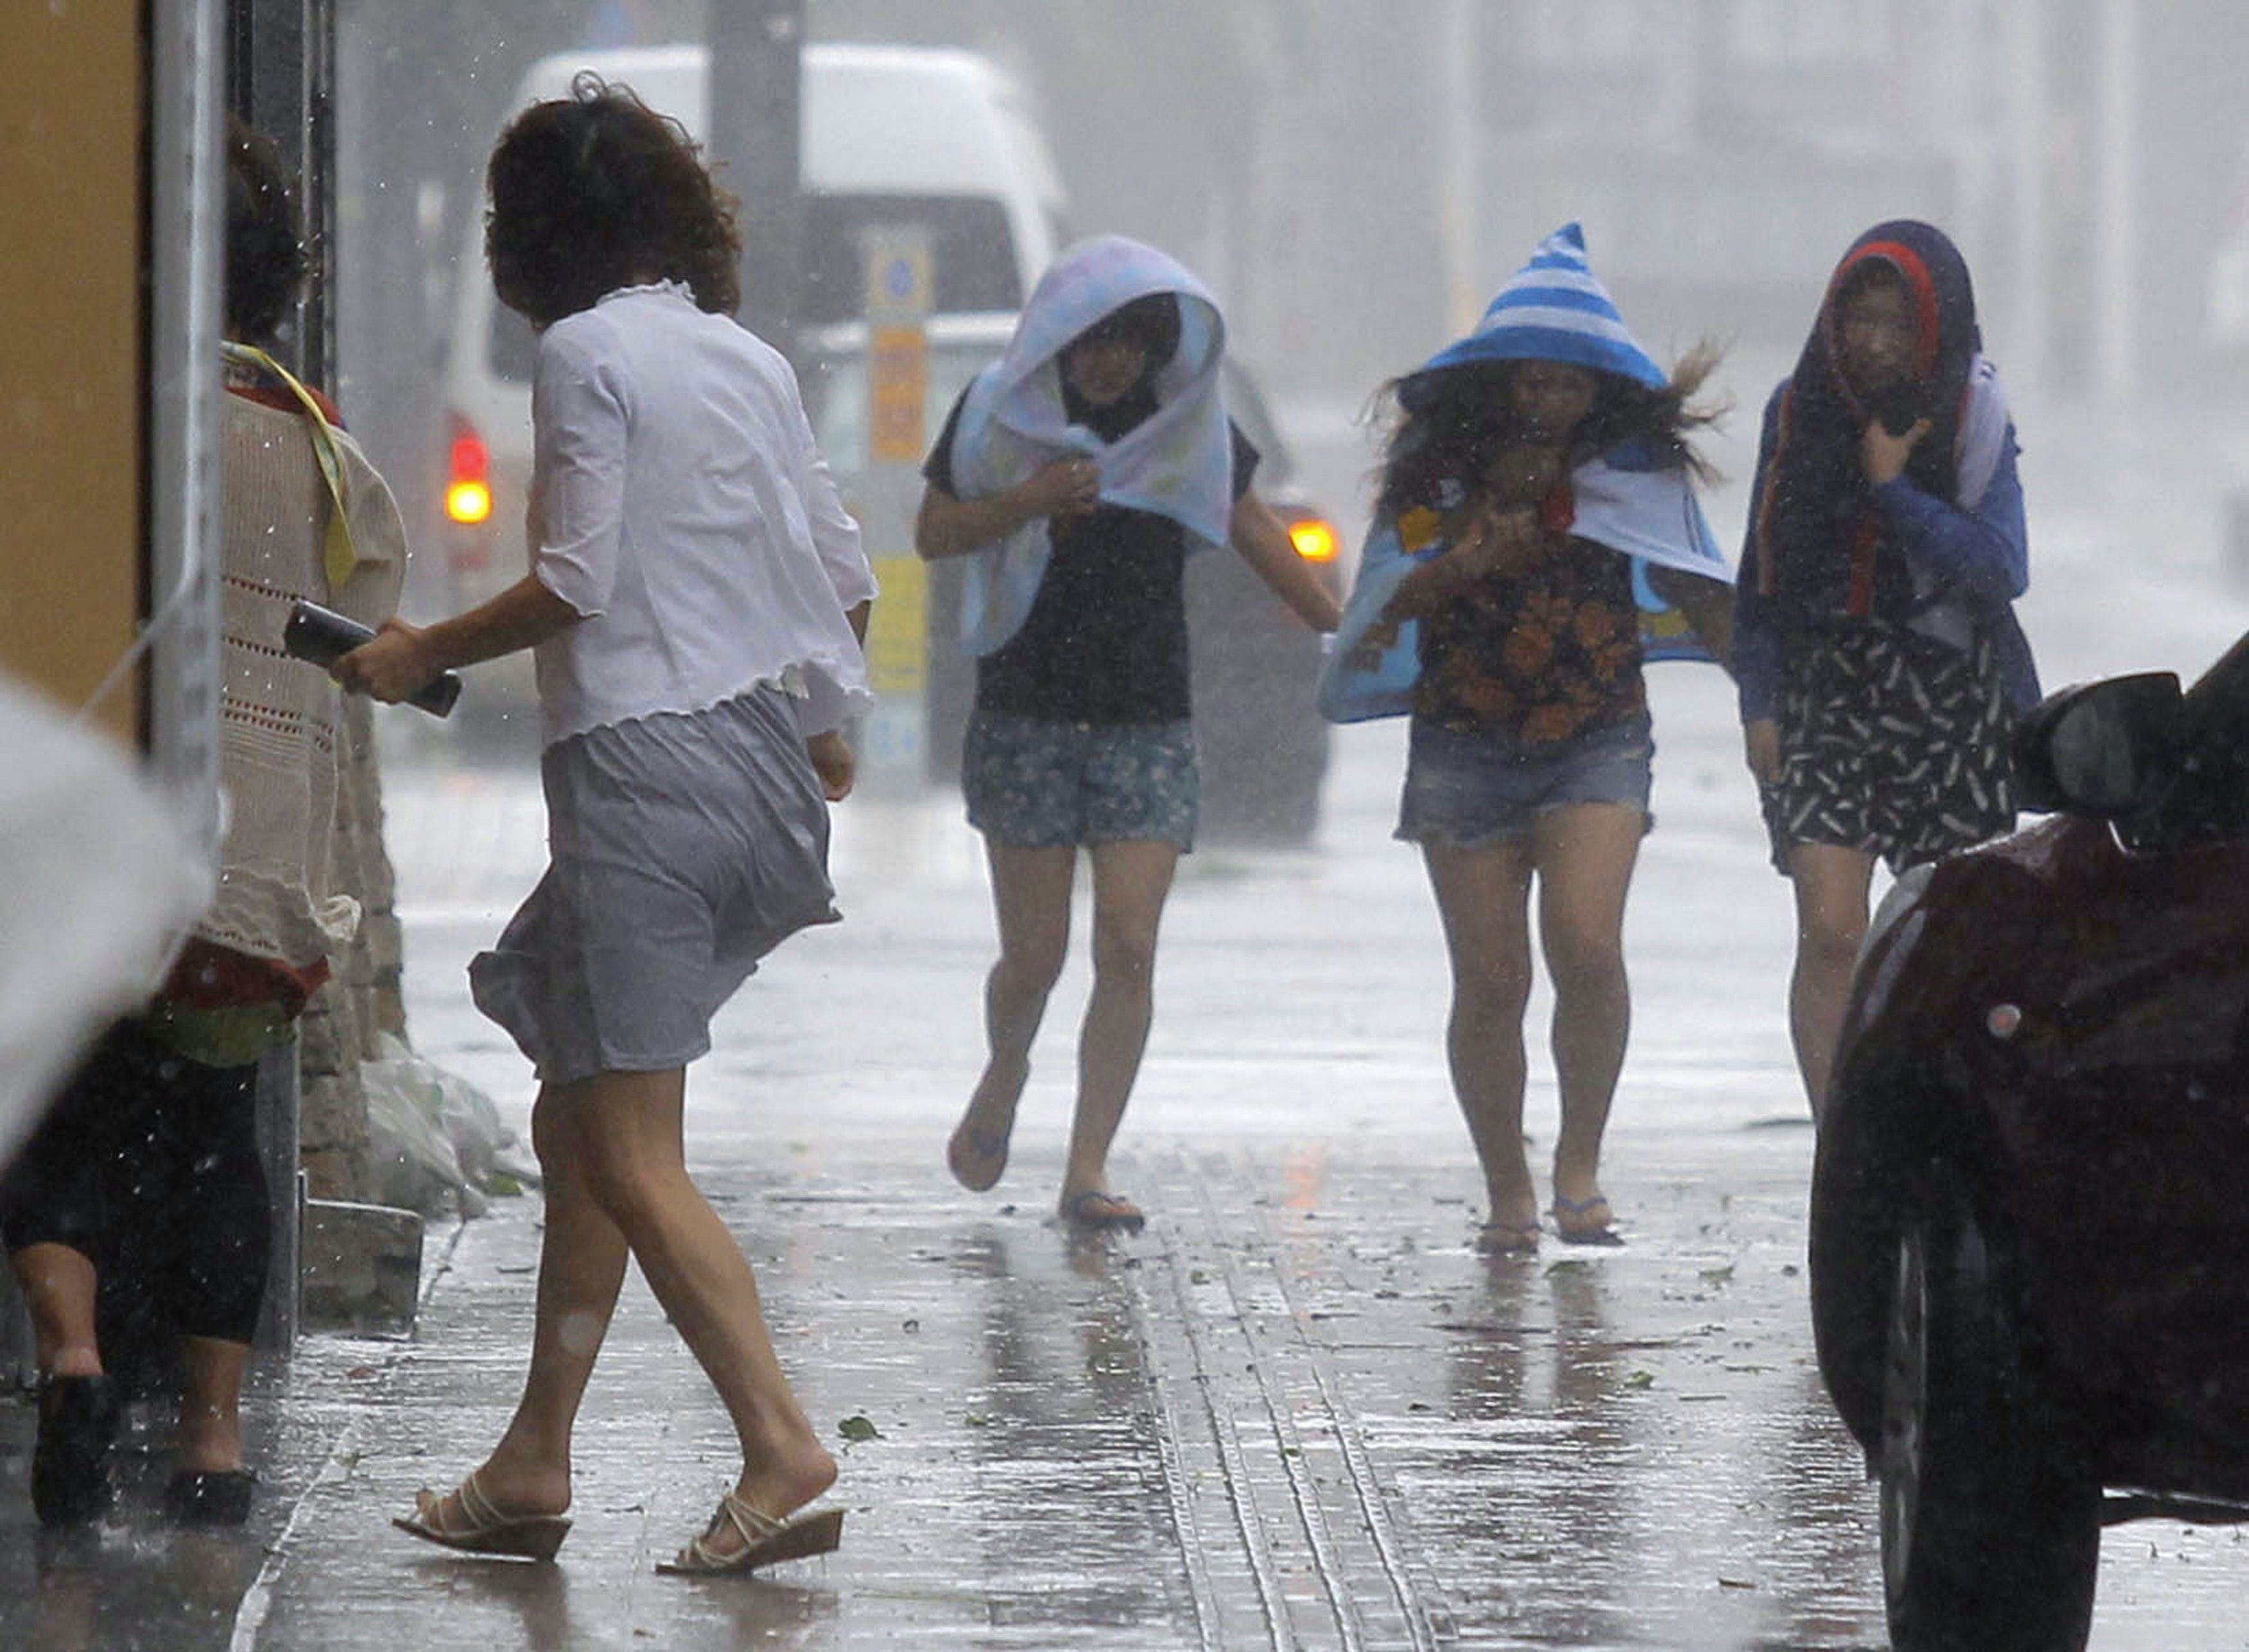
1539, 537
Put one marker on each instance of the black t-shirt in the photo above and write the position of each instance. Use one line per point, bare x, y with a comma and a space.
1106, 639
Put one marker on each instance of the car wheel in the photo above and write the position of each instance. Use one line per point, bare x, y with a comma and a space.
1991, 1522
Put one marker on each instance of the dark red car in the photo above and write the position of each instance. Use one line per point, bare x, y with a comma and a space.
2029, 1206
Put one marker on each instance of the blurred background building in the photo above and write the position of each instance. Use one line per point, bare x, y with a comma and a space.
1356, 179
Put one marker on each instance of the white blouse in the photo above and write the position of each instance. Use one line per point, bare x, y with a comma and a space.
679, 503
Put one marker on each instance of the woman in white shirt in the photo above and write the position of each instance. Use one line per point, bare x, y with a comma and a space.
695, 607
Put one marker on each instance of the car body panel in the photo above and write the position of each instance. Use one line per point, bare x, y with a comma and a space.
2063, 1017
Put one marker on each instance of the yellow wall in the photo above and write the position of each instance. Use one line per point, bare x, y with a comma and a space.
71, 517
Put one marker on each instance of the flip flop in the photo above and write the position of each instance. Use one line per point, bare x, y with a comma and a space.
533, 1537
970, 1150
1121, 1216
1508, 1238
1586, 1222
765, 1540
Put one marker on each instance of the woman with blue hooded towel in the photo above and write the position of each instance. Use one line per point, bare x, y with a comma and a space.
1075, 475
1881, 664
1537, 538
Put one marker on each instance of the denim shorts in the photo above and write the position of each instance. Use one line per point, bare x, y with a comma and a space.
1470, 789
1036, 784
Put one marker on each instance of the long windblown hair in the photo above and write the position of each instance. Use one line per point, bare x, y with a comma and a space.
1447, 426
595, 190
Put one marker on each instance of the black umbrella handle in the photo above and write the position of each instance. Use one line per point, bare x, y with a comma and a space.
323, 636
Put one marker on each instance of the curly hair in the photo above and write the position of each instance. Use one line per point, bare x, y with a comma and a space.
265, 252
1450, 424
593, 191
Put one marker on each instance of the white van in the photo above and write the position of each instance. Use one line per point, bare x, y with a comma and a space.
937, 138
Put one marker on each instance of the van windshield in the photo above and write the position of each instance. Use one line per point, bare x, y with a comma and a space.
972, 253
971, 257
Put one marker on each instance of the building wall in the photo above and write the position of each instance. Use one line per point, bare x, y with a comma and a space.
70, 350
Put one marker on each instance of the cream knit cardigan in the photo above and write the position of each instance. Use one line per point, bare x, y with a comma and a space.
279, 715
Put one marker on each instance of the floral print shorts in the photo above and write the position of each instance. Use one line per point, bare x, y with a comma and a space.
1036, 784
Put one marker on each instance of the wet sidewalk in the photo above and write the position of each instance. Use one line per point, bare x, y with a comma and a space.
1297, 1411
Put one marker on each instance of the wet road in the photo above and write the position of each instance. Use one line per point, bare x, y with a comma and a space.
1298, 1412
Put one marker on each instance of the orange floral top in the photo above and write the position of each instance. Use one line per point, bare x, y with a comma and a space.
1546, 650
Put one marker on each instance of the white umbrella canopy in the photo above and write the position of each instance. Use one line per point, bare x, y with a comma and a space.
97, 889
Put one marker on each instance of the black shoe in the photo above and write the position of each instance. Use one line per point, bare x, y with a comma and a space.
218, 1497
70, 1465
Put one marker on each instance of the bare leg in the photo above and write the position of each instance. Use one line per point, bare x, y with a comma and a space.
611, 1149
582, 1267
1483, 896
1130, 881
1584, 856
59, 1287
1030, 896
636, 1171
209, 1439
1832, 885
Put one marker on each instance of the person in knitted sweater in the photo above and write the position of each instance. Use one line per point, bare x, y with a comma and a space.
144, 1178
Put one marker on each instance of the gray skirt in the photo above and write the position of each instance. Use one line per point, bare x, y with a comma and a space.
685, 847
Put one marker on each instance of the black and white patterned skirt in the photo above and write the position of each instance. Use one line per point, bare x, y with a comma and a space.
1890, 744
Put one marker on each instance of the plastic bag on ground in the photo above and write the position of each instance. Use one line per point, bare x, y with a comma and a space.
438, 1141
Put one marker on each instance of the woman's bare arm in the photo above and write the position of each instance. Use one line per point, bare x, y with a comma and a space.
403, 657
1263, 540
949, 526
1493, 540
1707, 605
